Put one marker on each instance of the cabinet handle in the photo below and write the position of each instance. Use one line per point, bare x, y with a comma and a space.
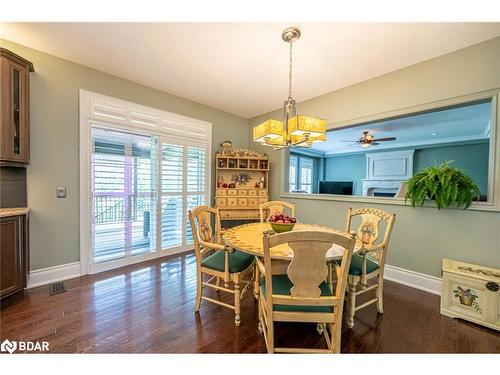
492, 286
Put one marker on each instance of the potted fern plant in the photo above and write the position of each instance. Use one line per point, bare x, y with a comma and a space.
444, 184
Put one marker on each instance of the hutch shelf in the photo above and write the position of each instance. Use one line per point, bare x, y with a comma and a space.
242, 184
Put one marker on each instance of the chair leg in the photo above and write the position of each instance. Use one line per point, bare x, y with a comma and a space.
217, 282
336, 330
256, 282
270, 336
380, 294
237, 301
353, 282
199, 279
260, 328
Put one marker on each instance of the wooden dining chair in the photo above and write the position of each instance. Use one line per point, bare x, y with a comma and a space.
274, 207
265, 211
217, 260
369, 263
302, 295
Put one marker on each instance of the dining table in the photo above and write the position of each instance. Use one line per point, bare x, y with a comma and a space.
249, 239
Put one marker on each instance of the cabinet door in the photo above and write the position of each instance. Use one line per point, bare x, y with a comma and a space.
12, 277
15, 112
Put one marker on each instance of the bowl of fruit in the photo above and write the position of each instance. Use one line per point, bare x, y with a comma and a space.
281, 222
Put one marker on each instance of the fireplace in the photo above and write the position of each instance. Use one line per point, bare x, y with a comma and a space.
386, 172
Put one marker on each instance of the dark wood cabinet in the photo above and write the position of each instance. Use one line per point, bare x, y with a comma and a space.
14, 109
14, 256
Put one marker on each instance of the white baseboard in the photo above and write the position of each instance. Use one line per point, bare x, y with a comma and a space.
53, 274
427, 283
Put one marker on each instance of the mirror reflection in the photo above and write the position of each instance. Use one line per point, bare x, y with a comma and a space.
377, 159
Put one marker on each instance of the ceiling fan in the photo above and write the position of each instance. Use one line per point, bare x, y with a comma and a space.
367, 140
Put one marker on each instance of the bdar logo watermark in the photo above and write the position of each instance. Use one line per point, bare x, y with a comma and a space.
24, 346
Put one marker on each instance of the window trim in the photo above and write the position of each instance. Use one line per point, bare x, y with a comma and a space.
182, 129
493, 203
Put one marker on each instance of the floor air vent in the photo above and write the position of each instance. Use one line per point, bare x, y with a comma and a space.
57, 288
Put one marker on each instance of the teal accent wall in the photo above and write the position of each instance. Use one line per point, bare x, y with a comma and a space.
472, 158
346, 168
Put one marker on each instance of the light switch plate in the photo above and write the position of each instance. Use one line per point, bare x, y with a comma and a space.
61, 192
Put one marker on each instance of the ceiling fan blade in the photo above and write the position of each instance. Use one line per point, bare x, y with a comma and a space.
349, 141
385, 139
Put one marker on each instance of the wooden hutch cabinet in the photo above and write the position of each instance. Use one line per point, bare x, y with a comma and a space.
14, 109
242, 184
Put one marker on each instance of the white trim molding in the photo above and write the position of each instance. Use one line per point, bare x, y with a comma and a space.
416, 280
50, 275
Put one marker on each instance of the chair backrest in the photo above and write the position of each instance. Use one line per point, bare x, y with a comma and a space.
369, 230
201, 227
274, 207
308, 268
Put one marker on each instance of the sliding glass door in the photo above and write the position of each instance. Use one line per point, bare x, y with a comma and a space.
142, 188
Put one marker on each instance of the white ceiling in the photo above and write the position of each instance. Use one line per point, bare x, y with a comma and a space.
463, 124
242, 68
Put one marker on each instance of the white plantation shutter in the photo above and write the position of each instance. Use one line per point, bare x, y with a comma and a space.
292, 173
124, 175
196, 182
306, 171
146, 169
184, 186
172, 180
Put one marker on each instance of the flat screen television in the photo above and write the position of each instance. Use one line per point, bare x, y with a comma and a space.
336, 187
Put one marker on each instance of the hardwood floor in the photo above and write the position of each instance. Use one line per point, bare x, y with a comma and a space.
148, 308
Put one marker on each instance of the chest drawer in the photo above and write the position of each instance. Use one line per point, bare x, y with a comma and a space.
221, 202
232, 192
232, 201
252, 193
242, 192
242, 202
262, 193
221, 192
253, 202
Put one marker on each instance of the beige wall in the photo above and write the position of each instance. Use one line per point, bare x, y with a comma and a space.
54, 144
422, 236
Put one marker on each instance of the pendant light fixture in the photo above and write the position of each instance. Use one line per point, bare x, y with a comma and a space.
294, 130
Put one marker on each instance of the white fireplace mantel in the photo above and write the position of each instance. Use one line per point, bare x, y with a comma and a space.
385, 171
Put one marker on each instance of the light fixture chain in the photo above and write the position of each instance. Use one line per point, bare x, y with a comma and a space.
290, 73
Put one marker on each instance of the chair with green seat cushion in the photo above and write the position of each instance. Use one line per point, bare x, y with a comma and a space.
282, 286
356, 267
362, 268
238, 261
302, 295
224, 264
